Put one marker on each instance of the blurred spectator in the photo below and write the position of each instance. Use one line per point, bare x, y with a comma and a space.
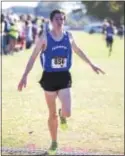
35, 29
121, 31
2, 32
28, 34
29, 18
13, 36
6, 25
21, 27
23, 18
42, 25
47, 25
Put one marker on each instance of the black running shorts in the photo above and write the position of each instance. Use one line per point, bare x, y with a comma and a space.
54, 81
109, 40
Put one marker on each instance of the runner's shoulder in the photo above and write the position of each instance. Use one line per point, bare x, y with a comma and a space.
70, 36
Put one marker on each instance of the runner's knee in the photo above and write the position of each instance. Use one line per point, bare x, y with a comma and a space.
52, 116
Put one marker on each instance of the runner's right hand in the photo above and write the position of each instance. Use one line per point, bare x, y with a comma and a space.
22, 83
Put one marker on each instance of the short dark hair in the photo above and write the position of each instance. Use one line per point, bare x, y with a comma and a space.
26, 22
56, 11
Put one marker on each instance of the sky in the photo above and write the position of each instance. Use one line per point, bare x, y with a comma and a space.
6, 5
68, 5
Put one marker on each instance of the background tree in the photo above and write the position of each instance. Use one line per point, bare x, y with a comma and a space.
104, 9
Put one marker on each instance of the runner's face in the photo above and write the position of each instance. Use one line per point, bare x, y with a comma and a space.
58, 21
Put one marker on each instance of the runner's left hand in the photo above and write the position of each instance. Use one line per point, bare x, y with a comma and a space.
97, 69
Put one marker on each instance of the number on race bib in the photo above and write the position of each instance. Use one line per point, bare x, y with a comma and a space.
59, 62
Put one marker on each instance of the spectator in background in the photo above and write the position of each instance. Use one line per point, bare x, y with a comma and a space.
29, 18
47, 25
121, 31
35, 29
6, 21
42, 23
28, 34
42, 26
23, 18
13, 36
21, 39
2, 33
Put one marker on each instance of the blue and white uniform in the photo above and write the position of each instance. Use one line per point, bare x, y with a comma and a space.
58, 54
56, 61
109, 33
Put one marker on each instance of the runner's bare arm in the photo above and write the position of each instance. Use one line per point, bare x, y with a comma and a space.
38, 48
83, 56
78, 51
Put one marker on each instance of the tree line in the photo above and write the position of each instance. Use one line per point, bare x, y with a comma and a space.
106, 9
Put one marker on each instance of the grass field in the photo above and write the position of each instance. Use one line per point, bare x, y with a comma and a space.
97, 121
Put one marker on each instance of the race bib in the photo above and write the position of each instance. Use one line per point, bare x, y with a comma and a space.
110, 34
59, 62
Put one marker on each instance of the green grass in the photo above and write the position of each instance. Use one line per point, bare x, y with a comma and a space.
97, 121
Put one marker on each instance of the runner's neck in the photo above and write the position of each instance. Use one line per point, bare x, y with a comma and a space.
57, 35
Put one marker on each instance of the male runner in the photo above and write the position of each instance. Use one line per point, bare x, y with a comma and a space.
56, 58
109, 36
